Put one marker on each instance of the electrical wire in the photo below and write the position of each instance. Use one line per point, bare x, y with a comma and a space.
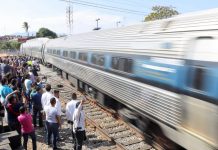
107, 7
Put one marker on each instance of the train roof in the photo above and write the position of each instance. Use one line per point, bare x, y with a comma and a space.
161, 38
37, 42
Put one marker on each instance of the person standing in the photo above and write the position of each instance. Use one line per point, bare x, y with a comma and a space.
79, 125
45, 100
58, 103
28, 84
53, 122
58, 107
37, 106
4, 90
12, 108
70, 108
27, 128
32, 76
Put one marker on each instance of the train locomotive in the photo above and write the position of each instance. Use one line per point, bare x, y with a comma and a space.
161, 75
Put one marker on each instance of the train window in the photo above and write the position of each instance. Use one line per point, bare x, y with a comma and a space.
65, 53
83, 56
98, 59
198, 77
73, 55
122, 64
54, 52
58, 52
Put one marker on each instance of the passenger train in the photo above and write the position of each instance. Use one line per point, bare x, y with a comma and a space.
161, 75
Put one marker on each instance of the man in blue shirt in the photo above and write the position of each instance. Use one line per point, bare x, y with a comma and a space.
37, 105
4, 90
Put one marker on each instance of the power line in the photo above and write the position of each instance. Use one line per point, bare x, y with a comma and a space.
107, 7
129, 3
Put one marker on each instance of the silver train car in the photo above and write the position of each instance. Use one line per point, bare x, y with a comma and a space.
34, 47
162, 74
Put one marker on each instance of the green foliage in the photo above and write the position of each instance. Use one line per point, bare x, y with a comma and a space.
44, 32
161, 12
9, 45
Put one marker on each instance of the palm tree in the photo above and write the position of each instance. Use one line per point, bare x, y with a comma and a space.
26, 27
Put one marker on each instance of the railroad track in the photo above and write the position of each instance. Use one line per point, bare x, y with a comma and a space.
110, 132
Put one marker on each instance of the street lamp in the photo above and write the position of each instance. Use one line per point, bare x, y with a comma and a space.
97, 28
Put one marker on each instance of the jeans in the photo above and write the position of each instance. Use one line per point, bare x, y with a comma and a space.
52, 129
45, 130
25, 139
37, 110
79, 136
15, 125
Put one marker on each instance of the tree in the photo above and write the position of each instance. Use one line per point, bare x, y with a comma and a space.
5, 45
15, 45
44, 32
26, 28
161, 12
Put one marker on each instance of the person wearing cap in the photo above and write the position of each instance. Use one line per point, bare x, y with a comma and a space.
27, 128
52, 122
79, 125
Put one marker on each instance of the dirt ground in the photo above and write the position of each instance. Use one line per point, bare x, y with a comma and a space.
3, 55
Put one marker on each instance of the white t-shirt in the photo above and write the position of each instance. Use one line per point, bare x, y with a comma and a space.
28, 84
79, 119
58, 106
45, 100
51, 114
70, 108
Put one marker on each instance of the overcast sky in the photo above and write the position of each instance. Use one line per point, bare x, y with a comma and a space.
52, 13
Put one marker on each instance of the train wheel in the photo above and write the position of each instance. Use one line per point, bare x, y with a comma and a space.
156, 137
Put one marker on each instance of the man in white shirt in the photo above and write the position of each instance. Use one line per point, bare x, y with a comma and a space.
58, 107
70, 107
28, 84
58, 103
45, 100
52, 122
79, 125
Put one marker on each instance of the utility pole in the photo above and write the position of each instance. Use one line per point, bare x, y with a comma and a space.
117, 23
69, 13
97, 28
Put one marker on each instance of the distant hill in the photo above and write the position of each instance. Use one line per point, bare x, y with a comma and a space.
24, 34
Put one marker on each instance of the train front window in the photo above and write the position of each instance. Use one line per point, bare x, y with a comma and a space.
122, 64
83, 56
98, 59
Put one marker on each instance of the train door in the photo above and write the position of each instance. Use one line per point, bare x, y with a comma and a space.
43, 53
200, 117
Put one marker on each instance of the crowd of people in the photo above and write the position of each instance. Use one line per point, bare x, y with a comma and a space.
26, 107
